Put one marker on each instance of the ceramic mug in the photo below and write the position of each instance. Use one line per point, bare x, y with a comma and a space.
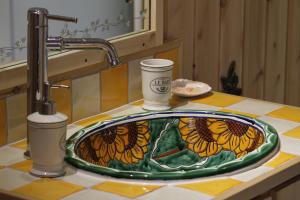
156, 83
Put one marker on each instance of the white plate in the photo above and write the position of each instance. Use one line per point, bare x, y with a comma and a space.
188, 88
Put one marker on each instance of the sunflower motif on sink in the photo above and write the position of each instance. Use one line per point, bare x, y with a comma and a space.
126, 143
135, 142
208, 136
198, 137
172, 145
237, 137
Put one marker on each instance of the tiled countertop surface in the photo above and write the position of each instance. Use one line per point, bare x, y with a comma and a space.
81, 185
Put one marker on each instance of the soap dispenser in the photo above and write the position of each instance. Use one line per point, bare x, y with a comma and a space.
47, 137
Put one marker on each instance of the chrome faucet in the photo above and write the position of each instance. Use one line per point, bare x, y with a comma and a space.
37, 53
38, 86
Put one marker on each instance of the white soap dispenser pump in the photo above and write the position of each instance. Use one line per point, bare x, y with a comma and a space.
47, 137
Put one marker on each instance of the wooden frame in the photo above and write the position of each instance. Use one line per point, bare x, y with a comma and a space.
264, 183
14, 77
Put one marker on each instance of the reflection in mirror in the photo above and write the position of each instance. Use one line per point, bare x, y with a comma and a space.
96, 18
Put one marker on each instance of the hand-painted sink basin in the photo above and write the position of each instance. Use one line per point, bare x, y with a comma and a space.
171, 145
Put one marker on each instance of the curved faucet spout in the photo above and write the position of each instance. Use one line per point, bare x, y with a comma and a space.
59, 43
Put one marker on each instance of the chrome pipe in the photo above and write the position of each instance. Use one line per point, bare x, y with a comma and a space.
36, 59
59, 43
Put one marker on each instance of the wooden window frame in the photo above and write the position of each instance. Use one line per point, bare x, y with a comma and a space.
14, 78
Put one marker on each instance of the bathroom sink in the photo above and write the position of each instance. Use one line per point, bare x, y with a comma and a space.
172, 145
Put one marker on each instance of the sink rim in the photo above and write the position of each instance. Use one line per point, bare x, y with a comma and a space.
252, 159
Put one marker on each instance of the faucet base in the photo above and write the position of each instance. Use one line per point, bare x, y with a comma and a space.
27, 154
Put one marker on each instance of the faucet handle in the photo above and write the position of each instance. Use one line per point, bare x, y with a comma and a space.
60, 86
48, 86
47, 106
62, 18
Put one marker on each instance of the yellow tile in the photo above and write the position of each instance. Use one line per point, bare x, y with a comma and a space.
48, 189
176, 101
124, 189
3, 132
171, 55
280, 159
114, 87
92, 120
86, 96
219, 99
16, 117
63, 99
294, 133
286, 112
214, 187
23, 166
239, 113
21, 145
138, 103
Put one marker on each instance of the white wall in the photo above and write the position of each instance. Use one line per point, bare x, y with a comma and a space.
5, 36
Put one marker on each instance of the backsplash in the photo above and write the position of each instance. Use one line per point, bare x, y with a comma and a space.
87, 95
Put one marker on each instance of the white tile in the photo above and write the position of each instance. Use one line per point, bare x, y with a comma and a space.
251, 174
280, 125
198, 180
289, 145
135, 80
85, 96
72, 128
174, 193
10, 155
118, 109
16, 117
82, 179
91, 194
12, 179
129, 110
254, 106
197, 106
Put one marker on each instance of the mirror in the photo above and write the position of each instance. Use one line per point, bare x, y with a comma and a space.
96, 18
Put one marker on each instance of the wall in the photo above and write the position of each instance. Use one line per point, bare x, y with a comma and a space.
179, 24
93, 89
89, 93
261, 36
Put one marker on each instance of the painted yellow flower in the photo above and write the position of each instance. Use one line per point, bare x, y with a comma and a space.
84, 153
198, 137
258, 141
136, 142
235, 136
127, 143
108, 143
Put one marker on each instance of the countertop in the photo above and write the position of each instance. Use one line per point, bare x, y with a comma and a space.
78, 184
